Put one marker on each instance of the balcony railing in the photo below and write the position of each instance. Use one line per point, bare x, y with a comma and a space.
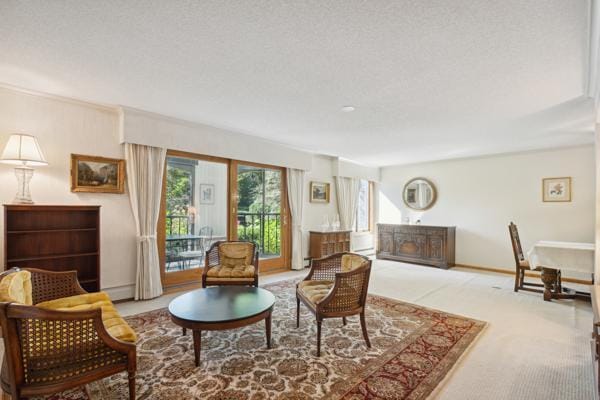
178, 225
264, 229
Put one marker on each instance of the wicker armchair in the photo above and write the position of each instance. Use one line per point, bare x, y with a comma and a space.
49, 349
335, 287
231, 263
522, 265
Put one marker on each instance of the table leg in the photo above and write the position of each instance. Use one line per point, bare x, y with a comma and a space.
197, 346
549, 277
268, 327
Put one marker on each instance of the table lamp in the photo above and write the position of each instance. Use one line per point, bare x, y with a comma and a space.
24, 151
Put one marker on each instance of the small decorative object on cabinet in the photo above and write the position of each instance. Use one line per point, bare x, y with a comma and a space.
54, 238
418, 244
97, 174
323, 244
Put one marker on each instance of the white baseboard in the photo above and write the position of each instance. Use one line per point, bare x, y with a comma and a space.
120, 292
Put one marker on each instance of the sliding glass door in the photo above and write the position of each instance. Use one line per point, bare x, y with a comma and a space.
194, 214
207, 199
259, 211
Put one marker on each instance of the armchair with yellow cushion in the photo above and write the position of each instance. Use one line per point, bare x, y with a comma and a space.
231, 263
335, 287
57, 336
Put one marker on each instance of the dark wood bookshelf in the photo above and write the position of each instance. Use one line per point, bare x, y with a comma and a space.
55, 238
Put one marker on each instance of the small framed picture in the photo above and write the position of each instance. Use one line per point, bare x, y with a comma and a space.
97, 174
207, 193
319, 192
556, 189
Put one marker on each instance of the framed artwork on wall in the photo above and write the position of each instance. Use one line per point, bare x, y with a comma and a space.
97, 174
207, 193
556, 189
319, 192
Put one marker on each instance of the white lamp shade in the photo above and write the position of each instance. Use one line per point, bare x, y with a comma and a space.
23, 149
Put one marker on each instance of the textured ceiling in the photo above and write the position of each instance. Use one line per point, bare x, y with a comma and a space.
429, 79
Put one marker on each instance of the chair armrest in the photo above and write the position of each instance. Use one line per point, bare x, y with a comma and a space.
51, 285
90, 320
349, 292
76, 336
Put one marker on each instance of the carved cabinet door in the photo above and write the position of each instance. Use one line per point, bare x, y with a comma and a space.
410, 244
436, 247
386, 241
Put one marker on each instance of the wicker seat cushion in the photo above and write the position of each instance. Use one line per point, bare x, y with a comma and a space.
16, 288
114, 324
315, 291
231, 272
350, 262
235, 254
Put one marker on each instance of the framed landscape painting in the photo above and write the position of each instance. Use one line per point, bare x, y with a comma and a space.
319, 192
97, 174
556, 189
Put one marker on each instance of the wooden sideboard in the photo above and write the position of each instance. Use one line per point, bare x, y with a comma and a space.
417, 244
54, 238
323, 244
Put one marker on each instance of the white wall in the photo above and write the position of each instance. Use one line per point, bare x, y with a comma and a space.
597, 153
349, 169
64, 127
160, 131
314, 213
480, 196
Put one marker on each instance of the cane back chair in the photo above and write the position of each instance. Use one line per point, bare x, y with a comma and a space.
57, 336
335, 287
231, 263
522, 265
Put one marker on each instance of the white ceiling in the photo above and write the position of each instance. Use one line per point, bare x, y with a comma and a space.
429, 79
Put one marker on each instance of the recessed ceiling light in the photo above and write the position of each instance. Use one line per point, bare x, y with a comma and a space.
348, 108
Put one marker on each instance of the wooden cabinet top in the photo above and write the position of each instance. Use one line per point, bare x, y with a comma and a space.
419, 226
330, 231
48, 207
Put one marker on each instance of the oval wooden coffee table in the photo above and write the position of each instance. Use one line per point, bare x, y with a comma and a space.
220, 308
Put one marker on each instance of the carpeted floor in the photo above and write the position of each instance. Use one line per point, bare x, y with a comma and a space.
413, 350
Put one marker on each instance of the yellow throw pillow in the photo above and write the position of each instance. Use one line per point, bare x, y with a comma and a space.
16, 288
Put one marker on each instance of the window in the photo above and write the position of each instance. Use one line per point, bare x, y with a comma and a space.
195, 212
363, 213
259, 208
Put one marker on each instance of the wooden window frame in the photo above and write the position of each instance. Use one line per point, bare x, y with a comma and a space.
194, 276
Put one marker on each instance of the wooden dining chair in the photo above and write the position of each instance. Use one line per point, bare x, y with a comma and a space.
522, 265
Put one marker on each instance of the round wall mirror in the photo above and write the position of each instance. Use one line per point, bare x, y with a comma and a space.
419, 194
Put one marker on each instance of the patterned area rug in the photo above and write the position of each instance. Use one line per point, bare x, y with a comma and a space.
413, 349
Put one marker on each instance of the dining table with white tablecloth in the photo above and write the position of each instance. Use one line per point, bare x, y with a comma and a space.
551, 257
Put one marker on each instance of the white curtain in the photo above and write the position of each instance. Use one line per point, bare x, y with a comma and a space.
295, 188
347, 198
145, 167
375, 203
